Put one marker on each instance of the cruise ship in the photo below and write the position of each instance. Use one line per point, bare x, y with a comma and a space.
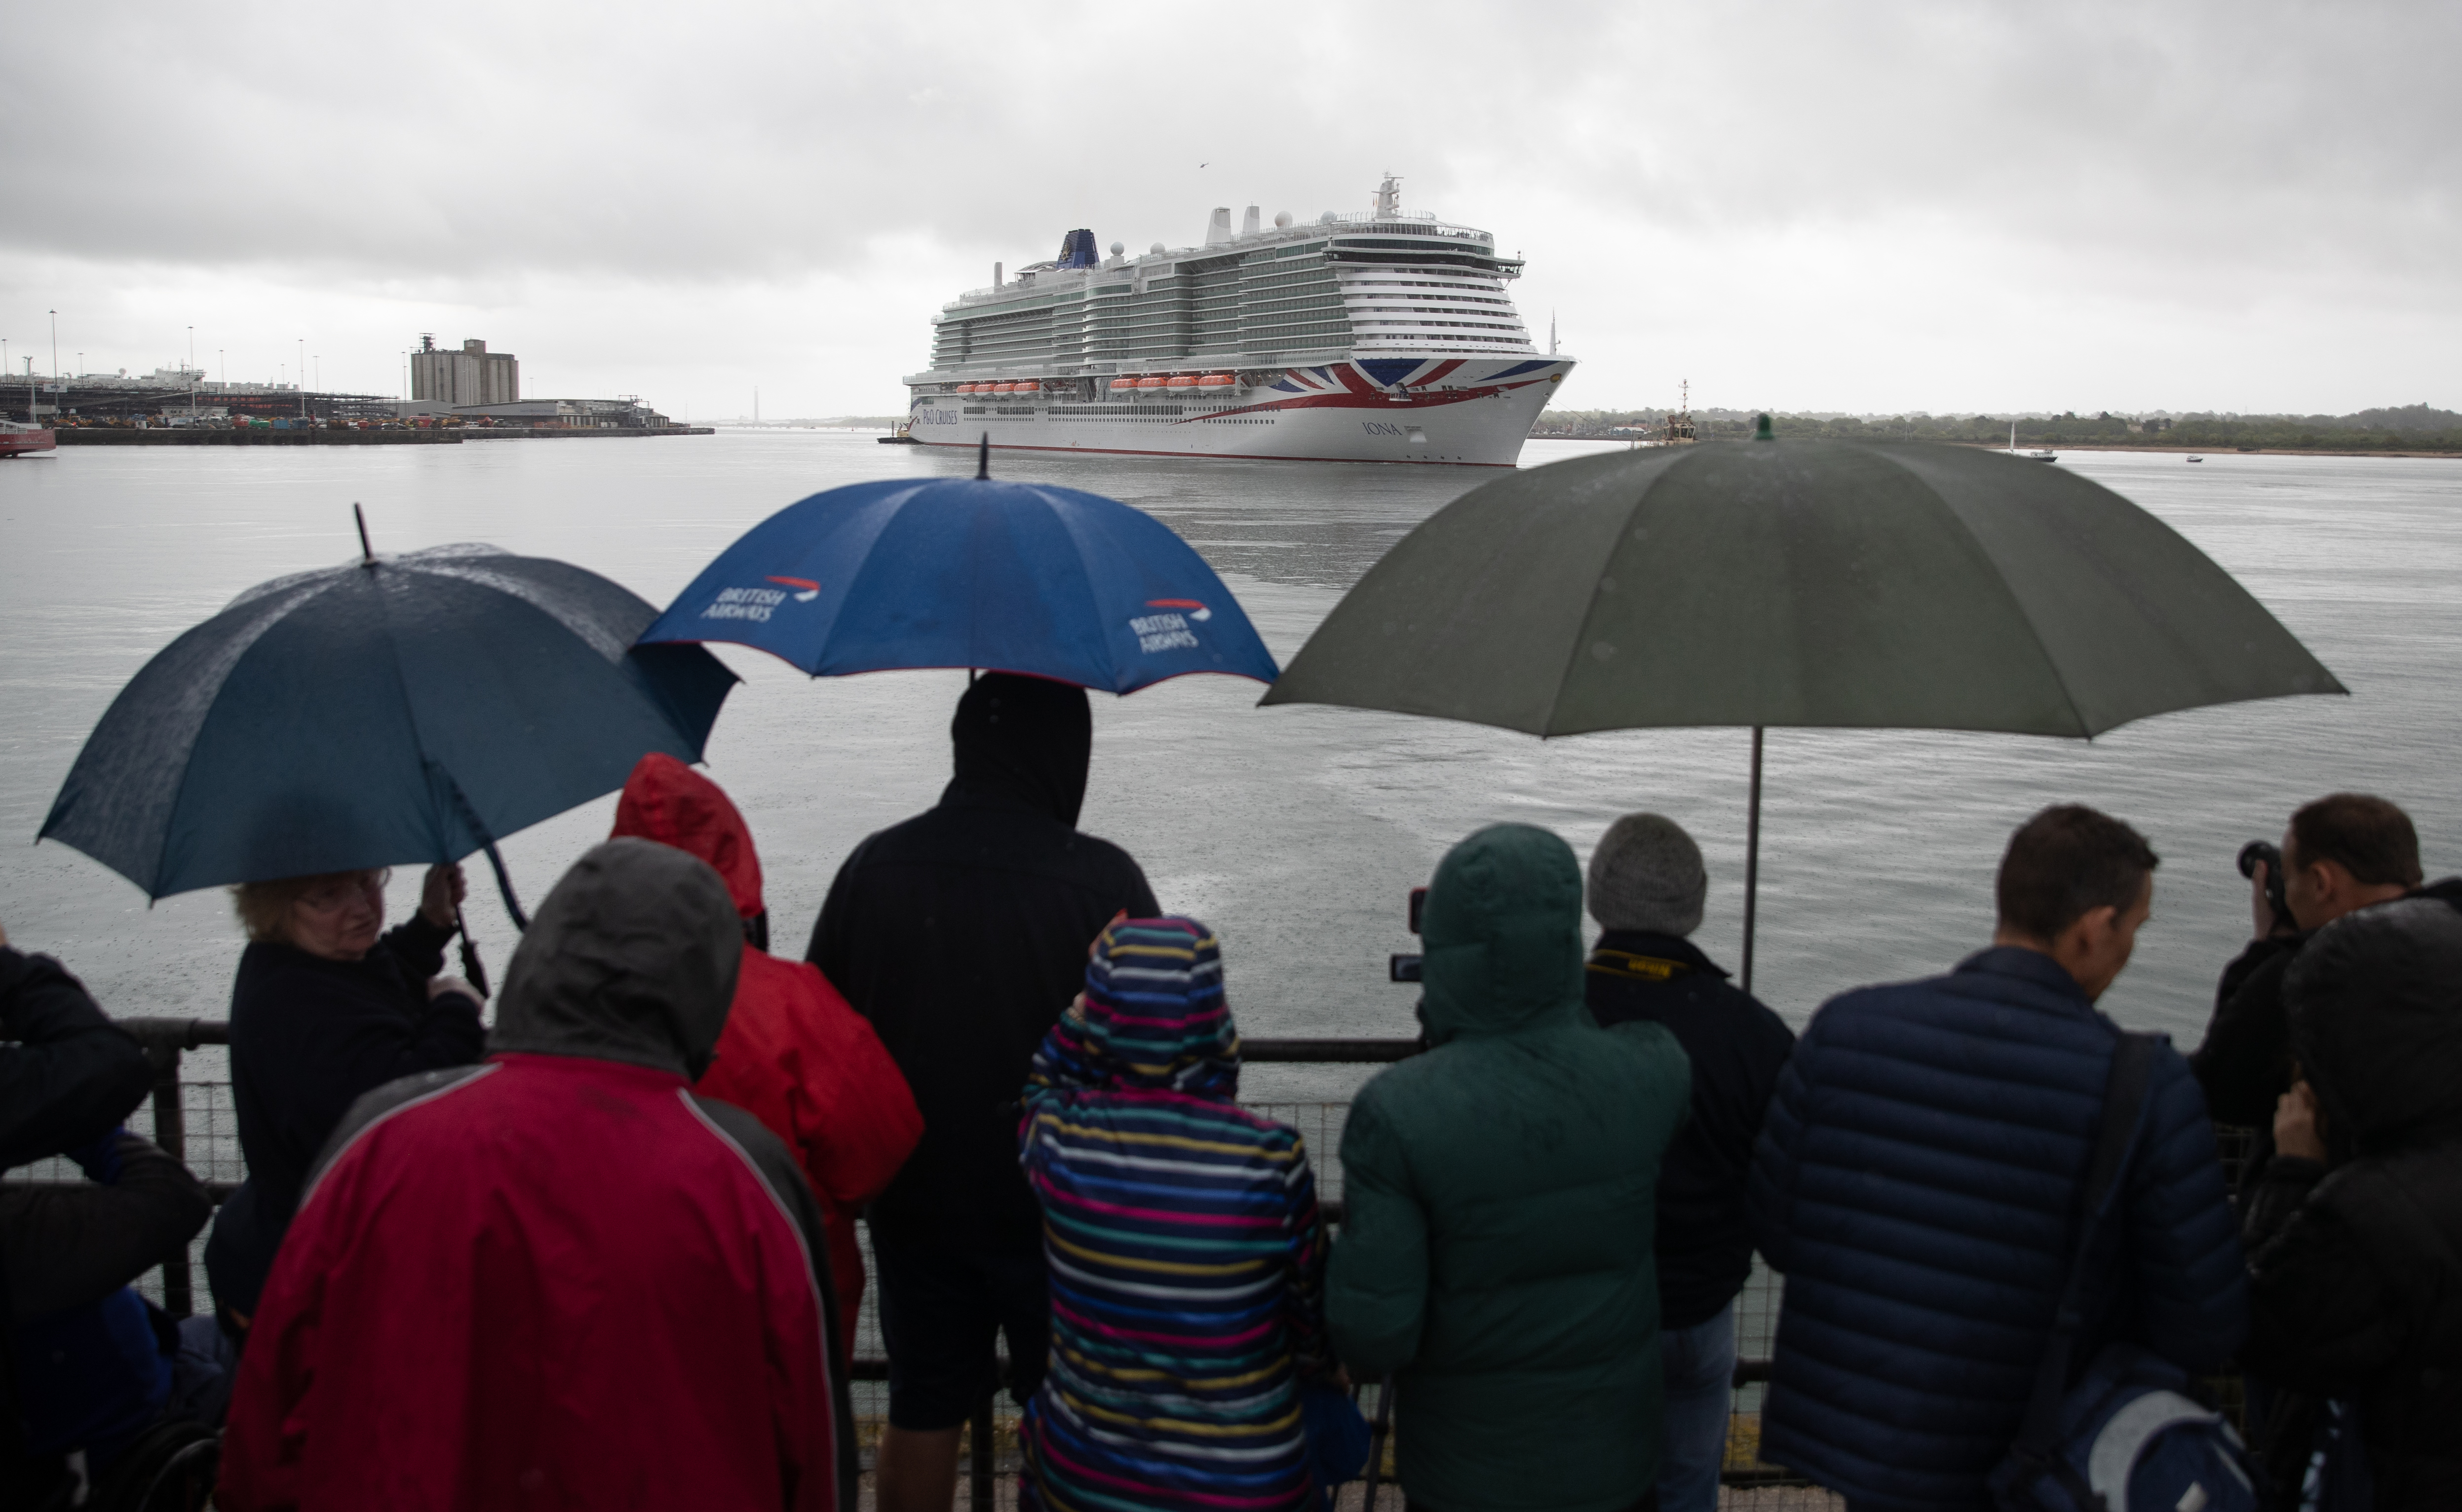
1375, 336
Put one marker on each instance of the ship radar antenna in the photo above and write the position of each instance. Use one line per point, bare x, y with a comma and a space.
1388, 197
984, 458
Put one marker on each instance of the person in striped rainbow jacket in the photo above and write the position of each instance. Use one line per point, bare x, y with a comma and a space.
1186, 1251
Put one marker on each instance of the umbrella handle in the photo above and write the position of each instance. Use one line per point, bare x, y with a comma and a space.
486, 843
1753, 855
470, 963
1379, 1429
505, 886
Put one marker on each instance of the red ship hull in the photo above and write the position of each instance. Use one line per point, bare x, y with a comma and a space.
16, 442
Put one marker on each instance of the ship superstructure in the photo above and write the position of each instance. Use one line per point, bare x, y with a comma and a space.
1379, 337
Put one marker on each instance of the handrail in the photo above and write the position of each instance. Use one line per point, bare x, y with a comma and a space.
167, 1039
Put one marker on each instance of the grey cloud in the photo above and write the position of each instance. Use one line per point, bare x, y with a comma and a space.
2222, 158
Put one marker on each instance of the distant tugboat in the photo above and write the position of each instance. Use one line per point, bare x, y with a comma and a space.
17, 438
1679, 425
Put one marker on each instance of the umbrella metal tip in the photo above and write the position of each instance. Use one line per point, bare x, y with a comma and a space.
1762, 428
984, 458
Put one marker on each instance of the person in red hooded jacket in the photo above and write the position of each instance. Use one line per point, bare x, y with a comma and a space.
794, 1054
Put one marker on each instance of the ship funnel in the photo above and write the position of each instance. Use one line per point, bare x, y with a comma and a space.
1248, 225
1217, 229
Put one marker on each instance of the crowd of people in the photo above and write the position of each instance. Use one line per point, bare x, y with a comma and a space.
604, 1252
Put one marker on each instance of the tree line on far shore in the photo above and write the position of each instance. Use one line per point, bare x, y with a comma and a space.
2409, 428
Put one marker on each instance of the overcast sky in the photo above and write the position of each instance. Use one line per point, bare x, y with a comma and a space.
1875, 207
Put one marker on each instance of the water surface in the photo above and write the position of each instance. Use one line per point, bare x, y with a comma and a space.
1295, 831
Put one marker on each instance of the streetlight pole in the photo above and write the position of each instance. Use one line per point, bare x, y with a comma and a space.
56, 368
303, 378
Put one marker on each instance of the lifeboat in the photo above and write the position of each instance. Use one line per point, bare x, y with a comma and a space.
966, 388
1215, 381
1181, 381
1151, 383
1003, 388
1120, 384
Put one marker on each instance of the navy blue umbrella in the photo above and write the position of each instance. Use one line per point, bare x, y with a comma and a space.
400, 709
971, 572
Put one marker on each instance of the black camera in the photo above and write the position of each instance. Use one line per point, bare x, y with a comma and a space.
1401, 967
2250, 855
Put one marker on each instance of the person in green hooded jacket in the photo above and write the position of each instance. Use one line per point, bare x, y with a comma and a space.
1501, 1192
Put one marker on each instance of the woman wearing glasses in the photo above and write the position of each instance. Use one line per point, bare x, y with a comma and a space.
329, 1004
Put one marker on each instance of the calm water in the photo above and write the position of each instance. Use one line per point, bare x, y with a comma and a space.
1295, 831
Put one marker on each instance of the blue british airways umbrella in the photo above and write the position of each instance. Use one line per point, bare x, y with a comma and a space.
971, 572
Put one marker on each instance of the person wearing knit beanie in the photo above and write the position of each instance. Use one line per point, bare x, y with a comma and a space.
1646, 887
1647, 875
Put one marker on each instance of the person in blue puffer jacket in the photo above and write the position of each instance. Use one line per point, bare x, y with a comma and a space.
1916, 1180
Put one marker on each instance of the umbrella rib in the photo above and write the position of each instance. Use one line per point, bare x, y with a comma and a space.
1580, 630
418, 735
264, 622
2034, 633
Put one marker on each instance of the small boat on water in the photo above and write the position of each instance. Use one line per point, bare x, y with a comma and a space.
2197, 459
2036, 455
17, 438
900, 434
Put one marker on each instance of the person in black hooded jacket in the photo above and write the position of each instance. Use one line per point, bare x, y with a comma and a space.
325, 1008
963, 935
2354, 1236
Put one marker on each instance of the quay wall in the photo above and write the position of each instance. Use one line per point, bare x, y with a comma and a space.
544, 432
252, 436
257, 436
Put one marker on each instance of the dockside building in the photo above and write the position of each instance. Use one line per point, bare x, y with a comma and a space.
471, 375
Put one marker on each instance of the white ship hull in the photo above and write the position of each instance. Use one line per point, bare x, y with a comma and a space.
1435, 411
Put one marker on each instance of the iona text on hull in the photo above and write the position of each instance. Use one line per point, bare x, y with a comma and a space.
1375, 336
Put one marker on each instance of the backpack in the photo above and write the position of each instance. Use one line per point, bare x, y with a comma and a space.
2134, 1434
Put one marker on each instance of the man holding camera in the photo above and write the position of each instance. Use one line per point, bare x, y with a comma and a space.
2339, 855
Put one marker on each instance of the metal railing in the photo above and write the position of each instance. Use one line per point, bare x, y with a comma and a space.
194, 1122
179, 1105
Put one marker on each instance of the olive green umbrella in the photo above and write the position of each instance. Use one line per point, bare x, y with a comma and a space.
1825, 584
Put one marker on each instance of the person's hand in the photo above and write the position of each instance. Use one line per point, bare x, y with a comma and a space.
441, 897
2295, 1125
1096, 943
438, 986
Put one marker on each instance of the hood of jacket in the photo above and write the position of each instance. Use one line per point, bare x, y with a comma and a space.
1023, 740
1153, 1015
1503, 934
2374, 1003
632, 958
666, 801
